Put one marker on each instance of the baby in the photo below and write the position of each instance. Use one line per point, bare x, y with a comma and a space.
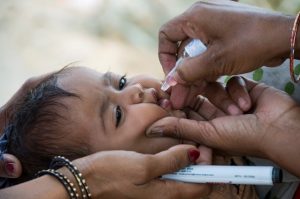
78, 111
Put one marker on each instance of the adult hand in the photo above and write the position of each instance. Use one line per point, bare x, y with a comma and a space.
235, 36
270, 130
124, 174
233, 101
10, 167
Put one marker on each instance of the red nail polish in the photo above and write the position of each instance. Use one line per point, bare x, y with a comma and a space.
10, 167
193, 155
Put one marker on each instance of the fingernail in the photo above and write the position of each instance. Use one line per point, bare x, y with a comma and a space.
241, 82
155, 132
233, 110
242, 102
10, 168
193, 155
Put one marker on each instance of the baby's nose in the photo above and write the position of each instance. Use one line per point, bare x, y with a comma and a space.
137, 93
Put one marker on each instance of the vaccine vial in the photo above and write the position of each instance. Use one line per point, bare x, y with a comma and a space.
192, 49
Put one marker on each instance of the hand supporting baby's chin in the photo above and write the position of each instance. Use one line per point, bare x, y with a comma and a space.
182, 114
177, 113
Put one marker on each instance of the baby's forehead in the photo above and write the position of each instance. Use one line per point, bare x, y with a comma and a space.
79, 77
77, 72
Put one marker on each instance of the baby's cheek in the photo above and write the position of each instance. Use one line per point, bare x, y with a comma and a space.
147, 114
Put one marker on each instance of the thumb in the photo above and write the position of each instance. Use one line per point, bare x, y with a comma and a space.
196, 68
172, 160
10, 167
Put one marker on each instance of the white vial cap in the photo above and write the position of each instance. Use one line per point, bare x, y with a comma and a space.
195, 47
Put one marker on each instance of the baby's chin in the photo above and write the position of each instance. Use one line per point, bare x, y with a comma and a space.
166, 105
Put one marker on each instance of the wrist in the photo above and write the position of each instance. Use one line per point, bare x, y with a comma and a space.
86, 166
280, 45
283, 143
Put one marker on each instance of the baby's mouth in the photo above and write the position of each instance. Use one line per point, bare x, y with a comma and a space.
165, 104
161, 100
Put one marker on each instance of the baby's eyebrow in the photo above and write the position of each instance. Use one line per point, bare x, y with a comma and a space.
107, 77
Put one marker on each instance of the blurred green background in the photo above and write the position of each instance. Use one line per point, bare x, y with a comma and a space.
38, 36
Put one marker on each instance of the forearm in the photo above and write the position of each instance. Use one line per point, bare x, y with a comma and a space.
45, 187
276, 37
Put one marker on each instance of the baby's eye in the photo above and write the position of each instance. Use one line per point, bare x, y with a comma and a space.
122, 82
118, 115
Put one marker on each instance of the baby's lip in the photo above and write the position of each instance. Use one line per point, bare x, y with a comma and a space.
160, 100
165, 104
155, 96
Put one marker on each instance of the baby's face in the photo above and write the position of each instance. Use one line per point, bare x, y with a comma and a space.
112, 112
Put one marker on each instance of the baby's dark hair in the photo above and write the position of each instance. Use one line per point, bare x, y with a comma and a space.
38, 127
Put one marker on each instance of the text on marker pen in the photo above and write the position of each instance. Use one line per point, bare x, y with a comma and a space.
252, 175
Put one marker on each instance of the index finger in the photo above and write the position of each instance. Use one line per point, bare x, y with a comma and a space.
169, 35
10, 166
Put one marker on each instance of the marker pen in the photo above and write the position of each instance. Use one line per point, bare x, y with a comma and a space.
192, 49
252, 175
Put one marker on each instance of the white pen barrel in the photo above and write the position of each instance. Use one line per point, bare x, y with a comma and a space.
256, 175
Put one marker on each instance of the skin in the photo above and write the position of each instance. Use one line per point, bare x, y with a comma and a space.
137, 96
98, 168
102, 169
236, 40
7, 110
184, 94
112, 174
235, 35
94, 116
270, 130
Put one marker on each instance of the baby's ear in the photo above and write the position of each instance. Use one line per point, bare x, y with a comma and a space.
10, 166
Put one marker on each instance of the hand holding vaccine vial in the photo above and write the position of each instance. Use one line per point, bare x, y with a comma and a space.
192, 49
